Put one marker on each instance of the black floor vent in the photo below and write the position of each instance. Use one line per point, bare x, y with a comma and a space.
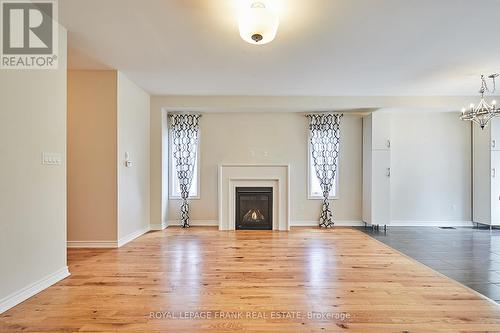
446, 227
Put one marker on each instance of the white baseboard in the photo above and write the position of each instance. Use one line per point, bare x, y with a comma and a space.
133, 235
92, 244
401, 223
215, 223
108, 244
196, 223
32, 289
159, 226
412, 223
339, 223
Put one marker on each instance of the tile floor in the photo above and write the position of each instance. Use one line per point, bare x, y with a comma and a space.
465, 254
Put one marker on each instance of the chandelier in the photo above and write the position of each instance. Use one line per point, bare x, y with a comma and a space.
482, 113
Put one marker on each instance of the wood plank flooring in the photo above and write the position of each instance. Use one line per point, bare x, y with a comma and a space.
346, 280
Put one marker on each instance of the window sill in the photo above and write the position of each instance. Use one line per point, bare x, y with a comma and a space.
179, 198
317, 197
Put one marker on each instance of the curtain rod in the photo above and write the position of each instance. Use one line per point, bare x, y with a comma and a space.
336, 113
193, 113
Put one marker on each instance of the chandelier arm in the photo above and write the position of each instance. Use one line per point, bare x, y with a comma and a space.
484, 86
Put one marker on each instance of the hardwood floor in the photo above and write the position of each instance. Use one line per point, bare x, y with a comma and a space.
153, 283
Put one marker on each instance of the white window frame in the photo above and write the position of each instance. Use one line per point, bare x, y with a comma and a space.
171, 172
311, 196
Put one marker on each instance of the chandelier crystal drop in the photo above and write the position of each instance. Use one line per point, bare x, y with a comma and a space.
483, 112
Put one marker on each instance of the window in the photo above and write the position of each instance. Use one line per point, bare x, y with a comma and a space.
194, 191
313, 186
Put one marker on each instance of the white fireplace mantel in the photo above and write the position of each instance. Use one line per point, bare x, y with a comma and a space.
276, 176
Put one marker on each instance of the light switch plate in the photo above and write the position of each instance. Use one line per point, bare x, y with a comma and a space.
51, 159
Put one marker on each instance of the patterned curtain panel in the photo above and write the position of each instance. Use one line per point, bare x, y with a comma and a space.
324, 132
185, 137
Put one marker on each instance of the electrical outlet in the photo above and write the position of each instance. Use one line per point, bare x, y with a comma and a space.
51, 159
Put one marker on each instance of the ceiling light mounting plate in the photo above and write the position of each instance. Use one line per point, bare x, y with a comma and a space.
257, 4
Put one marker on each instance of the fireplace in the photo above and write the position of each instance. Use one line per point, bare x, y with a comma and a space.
275, 176
254, 208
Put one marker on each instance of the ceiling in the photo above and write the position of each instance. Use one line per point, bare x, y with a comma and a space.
323, 47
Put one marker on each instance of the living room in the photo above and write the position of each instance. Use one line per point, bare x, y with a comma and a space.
212, 166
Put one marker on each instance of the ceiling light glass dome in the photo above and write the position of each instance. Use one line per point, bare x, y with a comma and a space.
258, 24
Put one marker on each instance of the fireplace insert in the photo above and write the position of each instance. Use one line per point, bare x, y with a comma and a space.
254, 208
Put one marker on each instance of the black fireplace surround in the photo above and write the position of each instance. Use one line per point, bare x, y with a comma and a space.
254, 208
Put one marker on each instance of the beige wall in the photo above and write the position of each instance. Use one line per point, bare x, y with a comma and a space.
279, 137
133, 137
108, 115
92, 155
430, 168
32, 195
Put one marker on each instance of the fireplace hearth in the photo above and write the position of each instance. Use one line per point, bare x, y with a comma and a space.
254, 208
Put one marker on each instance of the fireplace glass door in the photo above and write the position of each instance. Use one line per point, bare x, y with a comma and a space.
254, 208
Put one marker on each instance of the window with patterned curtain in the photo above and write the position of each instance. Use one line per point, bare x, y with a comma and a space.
324, 145
185, 131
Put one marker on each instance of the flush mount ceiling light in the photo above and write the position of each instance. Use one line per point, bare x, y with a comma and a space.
483, 112
258, 24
